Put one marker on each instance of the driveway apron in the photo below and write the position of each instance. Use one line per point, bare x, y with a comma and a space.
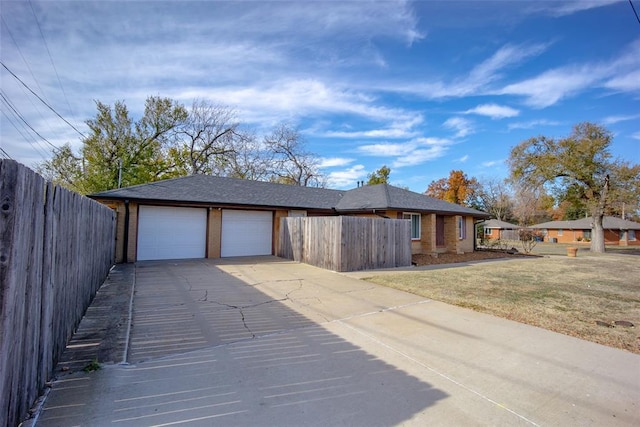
264, 341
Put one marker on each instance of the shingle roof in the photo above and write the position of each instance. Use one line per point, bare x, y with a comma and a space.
495, 223
384, 196
609, 223
231, 191
228, 191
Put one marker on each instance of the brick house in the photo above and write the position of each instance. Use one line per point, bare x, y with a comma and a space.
204, 216
617, 231
495, 229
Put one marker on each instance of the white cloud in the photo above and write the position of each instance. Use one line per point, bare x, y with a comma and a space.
636, 135
494, 111
571, 7
493, 163
627, 83
346, 178
460, 125
409, 153
477, 79
610, 120
621, 74
420, 156
386, 149
397, 129
532, 124
463, 159
552, 86
330, 162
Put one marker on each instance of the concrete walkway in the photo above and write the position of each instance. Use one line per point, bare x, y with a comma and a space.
263, 341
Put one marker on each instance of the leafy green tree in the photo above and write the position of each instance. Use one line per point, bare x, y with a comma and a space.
64, 169
119, 152
381, 176
582, 161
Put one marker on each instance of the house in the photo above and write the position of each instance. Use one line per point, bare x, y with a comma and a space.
203, 216
494, 229
617, 231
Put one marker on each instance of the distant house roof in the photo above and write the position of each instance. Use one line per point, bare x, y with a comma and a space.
239, 192
609, 223
496, 223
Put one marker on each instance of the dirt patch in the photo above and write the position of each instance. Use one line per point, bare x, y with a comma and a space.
424, 259
594, 297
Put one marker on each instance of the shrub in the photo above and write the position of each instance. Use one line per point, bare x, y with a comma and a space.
529, 238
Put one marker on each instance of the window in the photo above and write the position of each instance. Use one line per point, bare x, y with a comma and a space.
632, 235
559, 231
415, 224
488, 231
462, 228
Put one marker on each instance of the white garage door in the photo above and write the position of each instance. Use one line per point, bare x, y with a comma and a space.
171, 233
246, 233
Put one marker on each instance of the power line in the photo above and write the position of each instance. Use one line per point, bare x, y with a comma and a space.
26, 123
42, 100
634, 11
5, 154
5, 26
46, 45
25, 137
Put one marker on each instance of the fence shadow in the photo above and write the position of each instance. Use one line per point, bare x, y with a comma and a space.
208, 348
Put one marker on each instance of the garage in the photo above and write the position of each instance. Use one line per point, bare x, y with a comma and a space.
166, 232
246, 233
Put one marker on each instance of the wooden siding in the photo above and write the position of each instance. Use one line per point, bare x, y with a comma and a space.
345, 243
56, 250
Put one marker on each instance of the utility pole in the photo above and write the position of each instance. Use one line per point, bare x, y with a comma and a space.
119, 173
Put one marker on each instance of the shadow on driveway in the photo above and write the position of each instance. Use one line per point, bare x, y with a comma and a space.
207, 348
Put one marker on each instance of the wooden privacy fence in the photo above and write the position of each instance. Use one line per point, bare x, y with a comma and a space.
345, 243
56, 249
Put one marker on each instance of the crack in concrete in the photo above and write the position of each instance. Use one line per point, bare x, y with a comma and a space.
243, 307
274, 281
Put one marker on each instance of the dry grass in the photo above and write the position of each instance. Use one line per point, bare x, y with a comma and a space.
566, 295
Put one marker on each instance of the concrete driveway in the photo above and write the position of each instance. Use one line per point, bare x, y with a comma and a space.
264, 341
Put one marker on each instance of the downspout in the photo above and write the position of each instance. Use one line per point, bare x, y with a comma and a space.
125, 240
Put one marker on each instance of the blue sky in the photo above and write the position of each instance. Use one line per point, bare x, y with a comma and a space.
423, 87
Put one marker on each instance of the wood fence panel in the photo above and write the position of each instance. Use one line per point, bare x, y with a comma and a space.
56, 249
343, 243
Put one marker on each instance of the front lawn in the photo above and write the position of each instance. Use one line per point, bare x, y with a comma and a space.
574, 296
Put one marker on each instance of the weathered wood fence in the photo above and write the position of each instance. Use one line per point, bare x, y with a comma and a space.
56, 248
344, 243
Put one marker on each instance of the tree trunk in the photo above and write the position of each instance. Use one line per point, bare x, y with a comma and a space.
597, 234
597, 229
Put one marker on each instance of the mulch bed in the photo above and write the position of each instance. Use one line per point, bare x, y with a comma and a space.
427, 259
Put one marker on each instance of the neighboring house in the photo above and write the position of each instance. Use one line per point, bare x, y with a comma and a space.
495, 229
203, 216
617, 231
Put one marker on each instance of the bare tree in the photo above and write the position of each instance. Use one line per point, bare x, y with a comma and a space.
290, 162
531, 204
495, 198
248, 160
207, 136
